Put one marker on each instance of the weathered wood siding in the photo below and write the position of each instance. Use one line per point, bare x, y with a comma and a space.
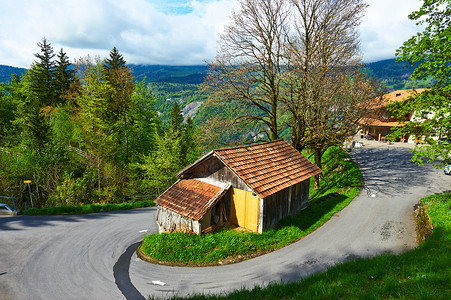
168, 220
287, 202
215, 170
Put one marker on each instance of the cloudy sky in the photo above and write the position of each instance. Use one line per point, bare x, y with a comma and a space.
167, 32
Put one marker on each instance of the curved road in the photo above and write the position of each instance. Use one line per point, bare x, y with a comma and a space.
93, 256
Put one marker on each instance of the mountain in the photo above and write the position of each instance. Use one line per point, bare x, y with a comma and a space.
171, 74
394, 75
389, 68
153, 73
6, 72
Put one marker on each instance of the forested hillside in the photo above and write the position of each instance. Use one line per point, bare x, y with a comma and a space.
181, 85
87, 132
101, 131
170, 74
393, 73
6, 72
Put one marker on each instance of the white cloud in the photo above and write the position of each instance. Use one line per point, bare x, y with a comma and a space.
141, 30
386, 27
160, 32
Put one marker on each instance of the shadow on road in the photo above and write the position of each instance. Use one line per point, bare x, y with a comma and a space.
390, 176
15, 223
122, 276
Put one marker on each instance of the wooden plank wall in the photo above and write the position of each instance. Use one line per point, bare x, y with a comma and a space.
214, 169
168, 220
287, 202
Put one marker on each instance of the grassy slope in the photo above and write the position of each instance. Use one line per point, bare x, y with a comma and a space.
338, 188
424, 273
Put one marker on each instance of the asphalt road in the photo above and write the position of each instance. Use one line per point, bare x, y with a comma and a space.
93, 256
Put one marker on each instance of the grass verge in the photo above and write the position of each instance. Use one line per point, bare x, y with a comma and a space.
338, 187
87, 209
423, 273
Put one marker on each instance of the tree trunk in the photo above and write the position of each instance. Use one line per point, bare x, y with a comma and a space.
318, 157
274, 133
126, 137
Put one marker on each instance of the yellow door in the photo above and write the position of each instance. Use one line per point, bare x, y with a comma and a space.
238, 211
252, 207
244, 210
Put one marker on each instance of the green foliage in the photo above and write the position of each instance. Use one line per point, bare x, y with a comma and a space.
8, 110
62, 126
76, 135
184, 75
395, 75
73, 190
166, 94
230, 244
176, 121
340, 174
42, 75
430, 52
114, 62
64, 75
144, 121
161, 166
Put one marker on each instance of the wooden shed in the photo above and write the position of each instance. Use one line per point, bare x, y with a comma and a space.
252, 186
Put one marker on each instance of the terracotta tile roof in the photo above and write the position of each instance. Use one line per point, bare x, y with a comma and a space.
396, 96
268, 167
379, 123
191, 198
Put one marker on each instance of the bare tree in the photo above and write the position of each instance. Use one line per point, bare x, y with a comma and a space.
296, 64
325, 83
250, 61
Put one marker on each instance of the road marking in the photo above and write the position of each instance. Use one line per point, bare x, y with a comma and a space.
158, 282
144, 230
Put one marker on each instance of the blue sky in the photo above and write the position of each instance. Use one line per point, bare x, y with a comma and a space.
173, 32
176, 7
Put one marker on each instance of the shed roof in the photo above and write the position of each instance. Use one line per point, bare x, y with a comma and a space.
191, 198
265, 167
268, 167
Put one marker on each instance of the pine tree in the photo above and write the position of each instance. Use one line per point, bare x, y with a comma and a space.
64, 75
114, 62
122, 82
189, 147
176, 122
43, 76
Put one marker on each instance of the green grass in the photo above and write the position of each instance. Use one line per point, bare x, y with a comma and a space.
424, 273
87, 209
337, 189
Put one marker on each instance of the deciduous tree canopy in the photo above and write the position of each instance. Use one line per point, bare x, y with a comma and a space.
431, 49
294, 64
